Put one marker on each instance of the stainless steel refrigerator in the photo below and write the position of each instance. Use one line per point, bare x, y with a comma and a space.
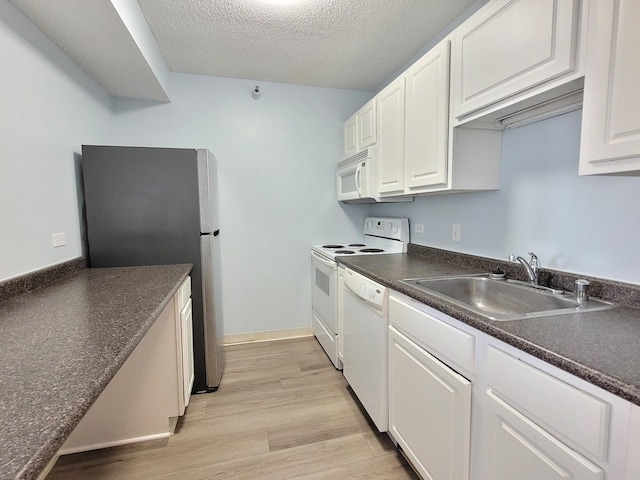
158, 206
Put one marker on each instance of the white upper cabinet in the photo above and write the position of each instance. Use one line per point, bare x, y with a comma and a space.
360, 130
427, 116
391, 113
367, 128
508, 49
418, 150
351, 136
611, 113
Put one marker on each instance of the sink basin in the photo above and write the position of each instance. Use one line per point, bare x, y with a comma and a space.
503, 299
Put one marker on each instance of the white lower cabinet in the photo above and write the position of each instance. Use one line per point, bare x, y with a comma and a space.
339, 317
632, 471
429, 400
538, 422
185, 352
184, 344
532, 417
465, 405
521, 449
429, 410
148, 393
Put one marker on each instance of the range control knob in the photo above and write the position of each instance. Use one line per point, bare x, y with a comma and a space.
395, 229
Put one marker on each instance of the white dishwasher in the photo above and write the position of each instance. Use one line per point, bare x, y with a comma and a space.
365, 315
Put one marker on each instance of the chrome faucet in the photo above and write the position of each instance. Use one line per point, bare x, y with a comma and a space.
531, 266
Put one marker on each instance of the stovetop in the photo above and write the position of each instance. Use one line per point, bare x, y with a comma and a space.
335, 249
381, 235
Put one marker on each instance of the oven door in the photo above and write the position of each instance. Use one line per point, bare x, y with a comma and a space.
324, 300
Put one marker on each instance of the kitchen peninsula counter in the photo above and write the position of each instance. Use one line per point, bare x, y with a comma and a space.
600, 347
60, 346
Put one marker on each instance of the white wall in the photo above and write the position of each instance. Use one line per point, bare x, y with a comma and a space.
276, 159
48, 108
586, 225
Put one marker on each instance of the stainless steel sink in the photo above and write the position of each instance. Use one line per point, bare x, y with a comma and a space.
503, 299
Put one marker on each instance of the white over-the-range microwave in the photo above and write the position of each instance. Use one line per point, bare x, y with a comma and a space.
356, 179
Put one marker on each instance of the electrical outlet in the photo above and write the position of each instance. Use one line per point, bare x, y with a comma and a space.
58, 239
419, 228
455, 232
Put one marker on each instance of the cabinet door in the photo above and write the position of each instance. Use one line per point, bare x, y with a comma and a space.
521, 449
339, 318
351, 136
367, 127
510, 46
390, 106
610, 120
429, 410
186, 333
427, 115
633, 459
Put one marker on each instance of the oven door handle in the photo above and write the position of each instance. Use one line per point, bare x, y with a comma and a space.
324, 261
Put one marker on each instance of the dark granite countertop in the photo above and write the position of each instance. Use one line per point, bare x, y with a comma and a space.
61, 345
600, 347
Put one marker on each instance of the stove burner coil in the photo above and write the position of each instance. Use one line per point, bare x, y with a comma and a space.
345, 252
332, 246
371, 250
357, 245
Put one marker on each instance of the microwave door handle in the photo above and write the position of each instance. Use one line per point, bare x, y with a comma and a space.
358, 187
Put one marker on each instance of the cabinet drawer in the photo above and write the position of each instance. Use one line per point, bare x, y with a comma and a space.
572, 413
449, 344
184, 293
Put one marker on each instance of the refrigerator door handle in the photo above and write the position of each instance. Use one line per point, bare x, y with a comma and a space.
216, 233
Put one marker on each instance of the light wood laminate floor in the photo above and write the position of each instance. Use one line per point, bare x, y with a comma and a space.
282, 411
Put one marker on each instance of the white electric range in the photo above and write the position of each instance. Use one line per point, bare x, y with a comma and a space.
381, 235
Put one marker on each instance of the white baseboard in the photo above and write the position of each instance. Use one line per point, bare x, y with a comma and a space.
267, 336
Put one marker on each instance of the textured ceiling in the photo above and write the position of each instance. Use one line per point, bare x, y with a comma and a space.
354, 44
